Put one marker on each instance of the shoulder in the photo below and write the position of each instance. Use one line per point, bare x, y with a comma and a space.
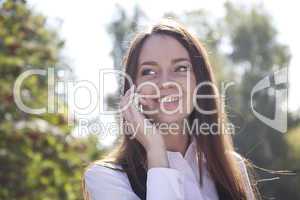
237, 156
242, 163
104, 179
98, 172
104, 165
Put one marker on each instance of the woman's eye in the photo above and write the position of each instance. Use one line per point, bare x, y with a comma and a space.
182, 68
147, 72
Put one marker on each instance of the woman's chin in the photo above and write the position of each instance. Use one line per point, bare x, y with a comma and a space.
168, 118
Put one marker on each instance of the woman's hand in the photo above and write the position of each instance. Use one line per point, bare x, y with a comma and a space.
141, 129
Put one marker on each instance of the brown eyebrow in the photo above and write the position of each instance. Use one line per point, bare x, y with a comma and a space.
180, 59
149, 63
173, 61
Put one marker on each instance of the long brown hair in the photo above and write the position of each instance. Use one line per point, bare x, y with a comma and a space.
223, 167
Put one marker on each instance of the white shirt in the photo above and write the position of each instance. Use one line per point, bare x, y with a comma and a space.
178, 182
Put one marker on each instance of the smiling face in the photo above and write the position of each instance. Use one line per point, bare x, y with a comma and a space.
165, 70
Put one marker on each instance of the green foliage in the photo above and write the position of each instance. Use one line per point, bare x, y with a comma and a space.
293, 139
39, 157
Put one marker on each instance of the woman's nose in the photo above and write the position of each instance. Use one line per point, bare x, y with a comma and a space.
165, 81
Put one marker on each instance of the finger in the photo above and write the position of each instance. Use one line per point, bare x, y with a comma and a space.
129, 114
135, 115
127, 128
143, 101
127, 97
123, 104
125, 109
132, 97
150, 103
147, 100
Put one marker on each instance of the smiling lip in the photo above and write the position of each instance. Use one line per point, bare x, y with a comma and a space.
169, 102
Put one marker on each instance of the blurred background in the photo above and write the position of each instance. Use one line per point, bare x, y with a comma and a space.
43, 156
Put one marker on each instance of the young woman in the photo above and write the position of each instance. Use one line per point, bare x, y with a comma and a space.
169, 68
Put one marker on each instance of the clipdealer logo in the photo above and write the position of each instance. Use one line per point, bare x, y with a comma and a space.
277, 81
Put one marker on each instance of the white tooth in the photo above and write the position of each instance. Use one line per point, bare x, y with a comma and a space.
169, 99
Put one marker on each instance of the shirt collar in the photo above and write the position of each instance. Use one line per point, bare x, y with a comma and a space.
190, 154
191, 150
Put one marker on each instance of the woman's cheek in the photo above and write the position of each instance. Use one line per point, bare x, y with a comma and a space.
188, 98
147, 88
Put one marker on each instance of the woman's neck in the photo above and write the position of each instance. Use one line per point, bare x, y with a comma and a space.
177, 142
